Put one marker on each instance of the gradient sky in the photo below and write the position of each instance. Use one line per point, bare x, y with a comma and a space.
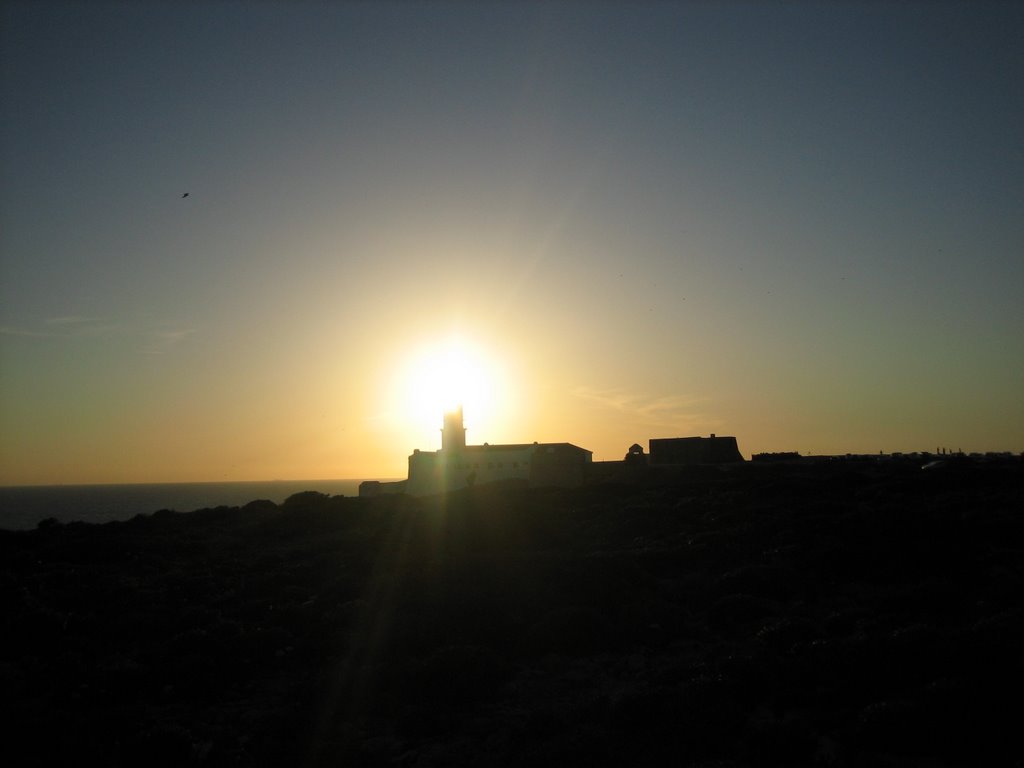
799, 224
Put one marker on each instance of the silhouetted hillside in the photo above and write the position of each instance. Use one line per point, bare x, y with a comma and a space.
772, 615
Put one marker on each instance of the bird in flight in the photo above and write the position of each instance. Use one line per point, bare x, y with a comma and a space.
185, 195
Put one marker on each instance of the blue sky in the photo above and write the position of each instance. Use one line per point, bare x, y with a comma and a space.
798, 223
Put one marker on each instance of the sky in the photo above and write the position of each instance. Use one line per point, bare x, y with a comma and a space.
801, 224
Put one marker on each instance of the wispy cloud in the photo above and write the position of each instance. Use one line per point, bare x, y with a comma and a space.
68, 320
63, 327
161, 342
153, 342
667, 410
6, 330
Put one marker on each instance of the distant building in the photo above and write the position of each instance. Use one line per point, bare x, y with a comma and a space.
536, 465
683, 451
457, 465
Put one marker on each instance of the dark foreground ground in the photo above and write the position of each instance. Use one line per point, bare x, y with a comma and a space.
836, 616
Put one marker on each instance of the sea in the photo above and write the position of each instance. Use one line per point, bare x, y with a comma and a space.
23, 507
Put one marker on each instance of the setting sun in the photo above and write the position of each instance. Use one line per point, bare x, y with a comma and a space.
440, 376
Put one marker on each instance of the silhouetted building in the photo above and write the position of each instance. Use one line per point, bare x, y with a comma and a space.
682, 451
453, 435
457, 465
635, 456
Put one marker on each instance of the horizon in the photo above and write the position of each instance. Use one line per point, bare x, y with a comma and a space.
940, 451
277, 240
206, 482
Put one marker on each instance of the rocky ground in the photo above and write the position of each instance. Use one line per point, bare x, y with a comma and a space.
846, 615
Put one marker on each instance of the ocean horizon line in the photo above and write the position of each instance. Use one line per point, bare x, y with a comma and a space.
25, 506
4, 486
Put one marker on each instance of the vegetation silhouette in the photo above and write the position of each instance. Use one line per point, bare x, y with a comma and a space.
757, 615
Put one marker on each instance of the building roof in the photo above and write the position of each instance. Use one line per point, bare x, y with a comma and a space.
509, 447
520, 446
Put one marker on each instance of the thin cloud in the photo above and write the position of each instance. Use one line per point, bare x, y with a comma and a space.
154, 342
161, 342
8, 331
65, 326
669, 410
67, 320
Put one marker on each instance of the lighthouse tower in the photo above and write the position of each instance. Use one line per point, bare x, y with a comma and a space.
453, 436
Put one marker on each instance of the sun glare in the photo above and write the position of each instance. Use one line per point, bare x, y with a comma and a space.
441, 376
